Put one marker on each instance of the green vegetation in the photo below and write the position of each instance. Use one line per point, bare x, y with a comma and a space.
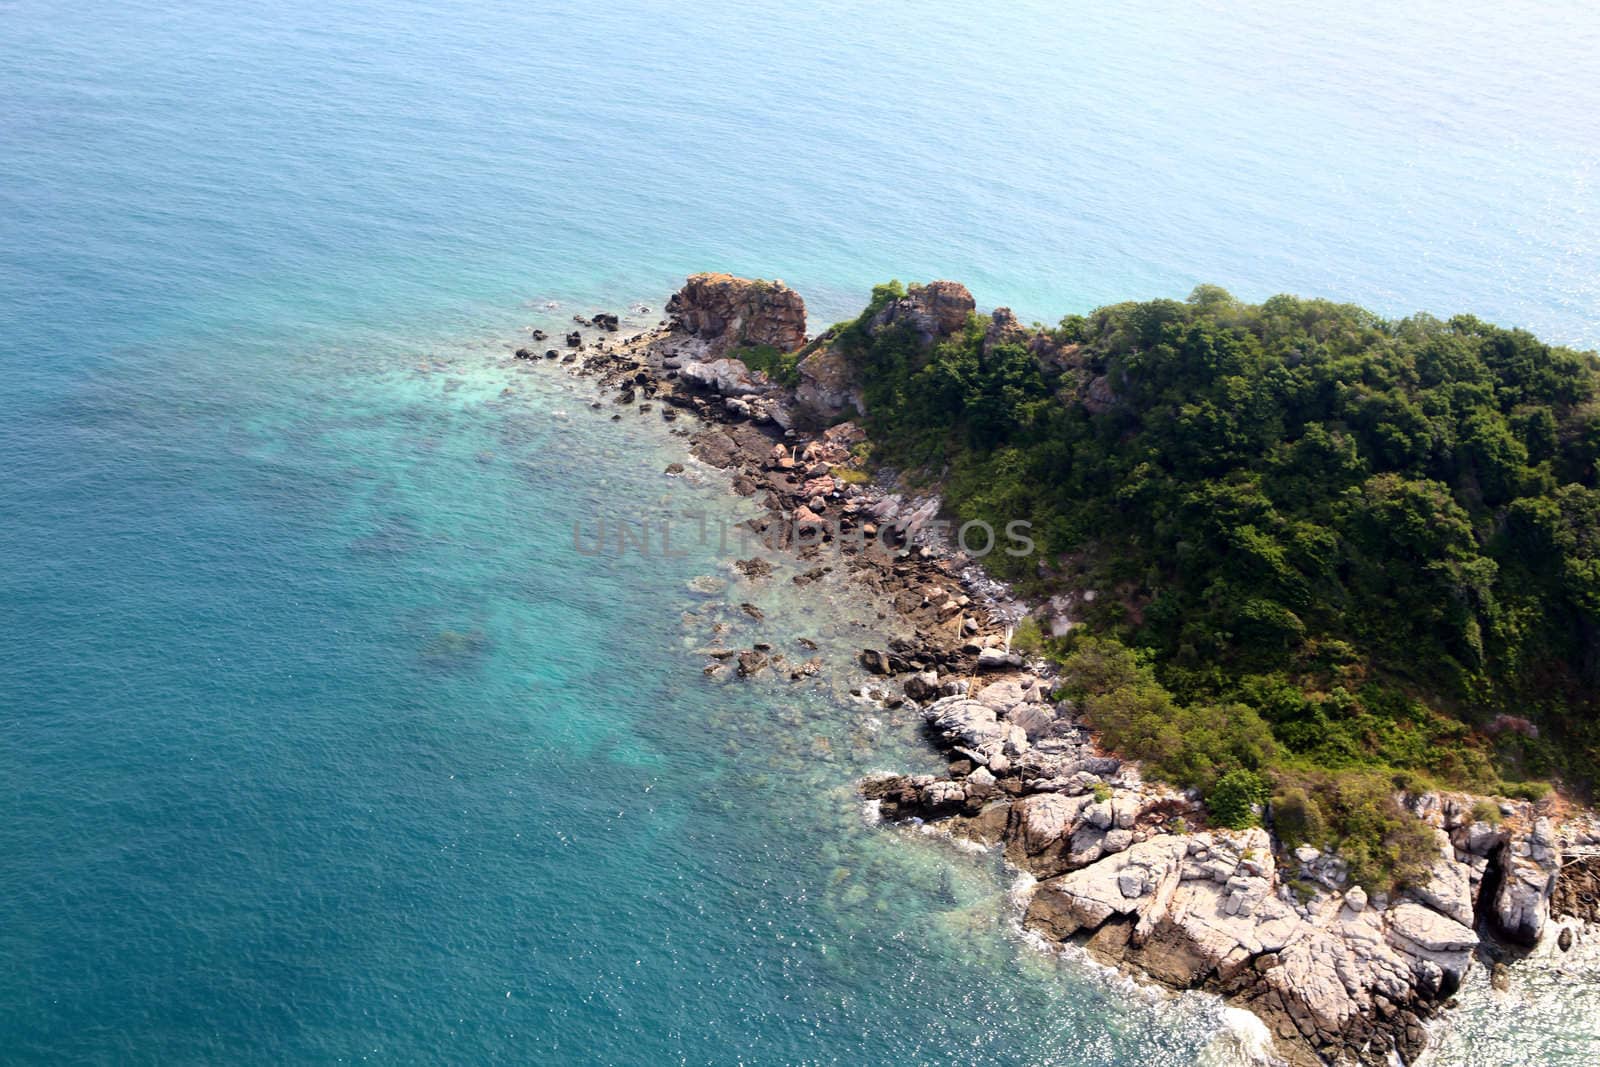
1235, 797
1534, 791
1354, 812
851, 475
781, 367
1191, 745
1333, 546
1027, 638
1229, 754
1486, 811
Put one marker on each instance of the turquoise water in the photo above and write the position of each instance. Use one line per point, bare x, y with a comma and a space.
321, 743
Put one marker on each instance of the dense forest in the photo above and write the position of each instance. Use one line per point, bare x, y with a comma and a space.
1332, 553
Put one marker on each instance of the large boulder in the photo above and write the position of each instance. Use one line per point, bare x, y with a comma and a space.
1447, 887
1416, 930
726, 312
973, 730
1045, 834
1130, 884
730, 377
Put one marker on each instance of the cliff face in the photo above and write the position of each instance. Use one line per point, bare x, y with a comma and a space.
727, 313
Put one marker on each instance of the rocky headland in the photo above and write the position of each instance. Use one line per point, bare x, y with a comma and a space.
1127, 868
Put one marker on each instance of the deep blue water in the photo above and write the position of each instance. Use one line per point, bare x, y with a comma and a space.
320, 742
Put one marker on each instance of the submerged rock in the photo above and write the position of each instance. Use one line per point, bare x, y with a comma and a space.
707, 584
455, 649
751, 662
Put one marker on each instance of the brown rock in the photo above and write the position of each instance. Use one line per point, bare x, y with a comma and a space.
728, 312
988, 826
1003, 328
933, 311
875, 661
828, 386
755, 567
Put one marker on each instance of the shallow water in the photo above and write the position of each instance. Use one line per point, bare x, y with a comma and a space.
381, 767
321, 741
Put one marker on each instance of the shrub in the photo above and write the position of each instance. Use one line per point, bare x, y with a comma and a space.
1191, 745
851, 476
1102, 792
1234, 798
1298, 819
1486, 811
1027, 638
1305, 892
1534, 791
781, 367
1364, 823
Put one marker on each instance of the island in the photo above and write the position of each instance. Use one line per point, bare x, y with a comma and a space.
1290, 692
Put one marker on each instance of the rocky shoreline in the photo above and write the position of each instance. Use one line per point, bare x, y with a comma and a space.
1129, 869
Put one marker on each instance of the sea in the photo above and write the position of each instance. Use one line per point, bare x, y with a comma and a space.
329, 731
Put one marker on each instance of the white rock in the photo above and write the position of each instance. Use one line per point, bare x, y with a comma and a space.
730, 377
1133, 882
992, 657
1413, 925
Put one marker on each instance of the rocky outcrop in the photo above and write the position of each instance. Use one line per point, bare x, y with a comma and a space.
830, 385
1004, 329
1098, 396
1529, 864
746, 395
1449, 884
1330, 979
933, 311
724, 313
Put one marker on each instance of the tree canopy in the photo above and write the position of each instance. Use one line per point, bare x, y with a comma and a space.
1381, 538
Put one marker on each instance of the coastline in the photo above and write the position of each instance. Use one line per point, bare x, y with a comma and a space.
1125, 868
